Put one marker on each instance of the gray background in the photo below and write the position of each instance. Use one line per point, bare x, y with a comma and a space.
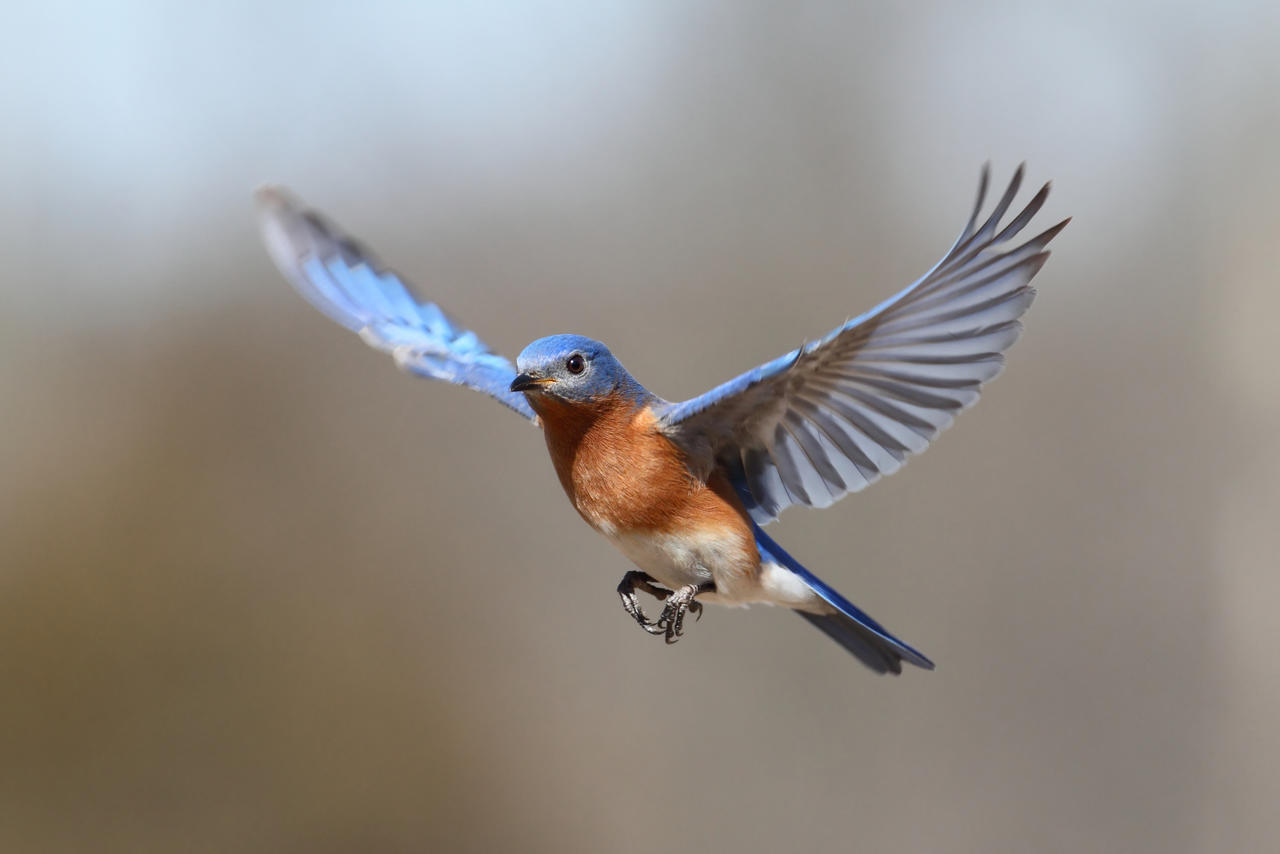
261, 592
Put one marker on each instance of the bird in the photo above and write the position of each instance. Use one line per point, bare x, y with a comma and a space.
685, 489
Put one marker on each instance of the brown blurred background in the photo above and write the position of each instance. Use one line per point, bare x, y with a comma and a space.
260, 592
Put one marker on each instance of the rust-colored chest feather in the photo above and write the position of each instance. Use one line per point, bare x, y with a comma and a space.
624, 476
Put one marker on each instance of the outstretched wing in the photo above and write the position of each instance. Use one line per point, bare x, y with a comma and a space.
348, 284
837, 414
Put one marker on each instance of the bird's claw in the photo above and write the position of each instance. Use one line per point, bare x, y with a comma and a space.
670, 623
679, 603
627, 592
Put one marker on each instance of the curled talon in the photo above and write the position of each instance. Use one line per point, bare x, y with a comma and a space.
678, 604
627, 593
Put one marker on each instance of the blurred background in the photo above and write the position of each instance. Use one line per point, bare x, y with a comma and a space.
261, 592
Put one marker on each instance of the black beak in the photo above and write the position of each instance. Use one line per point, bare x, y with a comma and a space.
524, 382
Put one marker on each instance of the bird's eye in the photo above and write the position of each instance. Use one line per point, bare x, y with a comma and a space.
574, 364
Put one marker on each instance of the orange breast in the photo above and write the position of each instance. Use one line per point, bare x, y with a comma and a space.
624, 477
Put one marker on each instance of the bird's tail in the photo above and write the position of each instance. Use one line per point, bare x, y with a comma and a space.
849, 626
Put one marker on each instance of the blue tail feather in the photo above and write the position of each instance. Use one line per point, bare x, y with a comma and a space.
850, 627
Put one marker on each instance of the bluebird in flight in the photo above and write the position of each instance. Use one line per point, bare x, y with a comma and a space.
684, 489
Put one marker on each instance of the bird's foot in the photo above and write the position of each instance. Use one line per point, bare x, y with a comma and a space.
679, 603
627, 592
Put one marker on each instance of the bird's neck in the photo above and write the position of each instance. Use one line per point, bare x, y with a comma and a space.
569, 421
570, 425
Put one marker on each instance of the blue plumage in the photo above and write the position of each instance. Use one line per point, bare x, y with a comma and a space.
851, 627
683, 488
601, 375
350, 286
834, 416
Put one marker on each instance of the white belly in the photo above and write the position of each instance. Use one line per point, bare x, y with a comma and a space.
675, 561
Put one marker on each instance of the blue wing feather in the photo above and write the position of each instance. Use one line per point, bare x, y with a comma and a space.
839, 413
345, 282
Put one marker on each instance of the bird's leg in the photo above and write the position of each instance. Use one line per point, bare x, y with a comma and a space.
678, 603
627, 592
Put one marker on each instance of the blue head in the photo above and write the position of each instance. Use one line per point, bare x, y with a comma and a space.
574, 369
